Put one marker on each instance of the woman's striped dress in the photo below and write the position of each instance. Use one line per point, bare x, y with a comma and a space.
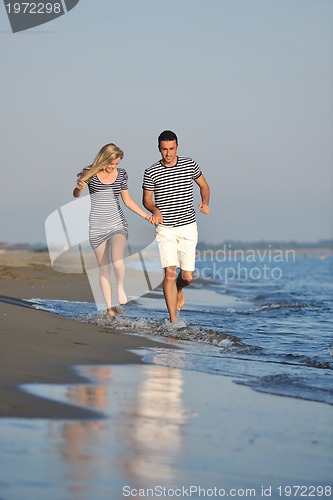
106, 216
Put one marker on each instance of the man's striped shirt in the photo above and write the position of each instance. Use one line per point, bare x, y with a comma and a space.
173, 190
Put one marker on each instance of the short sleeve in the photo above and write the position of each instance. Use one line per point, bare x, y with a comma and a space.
123, 183
196, 170
148, 183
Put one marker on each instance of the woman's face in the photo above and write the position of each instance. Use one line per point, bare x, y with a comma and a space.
112, 165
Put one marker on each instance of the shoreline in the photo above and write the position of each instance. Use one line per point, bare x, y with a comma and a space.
92, 417
39, 347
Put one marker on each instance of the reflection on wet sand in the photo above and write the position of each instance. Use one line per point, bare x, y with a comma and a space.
81, 444
155, 433
141, 439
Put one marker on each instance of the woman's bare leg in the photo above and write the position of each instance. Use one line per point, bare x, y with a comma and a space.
118, 244
102, 253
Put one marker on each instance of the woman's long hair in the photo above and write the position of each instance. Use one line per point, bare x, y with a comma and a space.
106, 155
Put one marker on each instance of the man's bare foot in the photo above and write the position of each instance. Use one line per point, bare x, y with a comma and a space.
110, 312
122, 297
180, 300
178, 323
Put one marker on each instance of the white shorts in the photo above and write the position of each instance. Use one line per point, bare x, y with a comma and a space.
177, 245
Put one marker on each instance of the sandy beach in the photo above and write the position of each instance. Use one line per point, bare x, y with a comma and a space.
118, 427
36, 346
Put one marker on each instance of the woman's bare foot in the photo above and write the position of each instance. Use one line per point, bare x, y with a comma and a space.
110, 312
122, 297
180, 300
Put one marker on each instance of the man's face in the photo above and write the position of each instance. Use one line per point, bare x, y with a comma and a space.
168, 150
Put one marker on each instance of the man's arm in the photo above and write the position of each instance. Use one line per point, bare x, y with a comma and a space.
148, 203
204, 193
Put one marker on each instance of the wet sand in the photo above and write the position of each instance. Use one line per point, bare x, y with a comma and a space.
36, 346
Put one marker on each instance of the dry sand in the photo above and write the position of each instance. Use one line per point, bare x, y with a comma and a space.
36, 346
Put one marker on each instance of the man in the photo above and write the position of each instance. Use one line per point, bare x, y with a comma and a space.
168, 195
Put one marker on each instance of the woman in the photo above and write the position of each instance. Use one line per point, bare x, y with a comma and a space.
108, 228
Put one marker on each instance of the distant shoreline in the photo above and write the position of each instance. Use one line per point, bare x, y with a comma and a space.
262, 250
27, 255
321, 246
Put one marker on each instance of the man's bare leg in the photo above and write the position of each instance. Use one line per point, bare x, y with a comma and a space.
170, 291
184, 279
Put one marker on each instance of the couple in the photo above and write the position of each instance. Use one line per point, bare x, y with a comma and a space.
167, 195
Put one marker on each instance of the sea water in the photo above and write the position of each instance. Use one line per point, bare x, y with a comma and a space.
264, 319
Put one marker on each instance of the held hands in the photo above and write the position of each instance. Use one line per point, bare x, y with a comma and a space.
156, 217
148, 217
204, 208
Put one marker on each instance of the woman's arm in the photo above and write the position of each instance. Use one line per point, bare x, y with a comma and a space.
129, 203
80, 186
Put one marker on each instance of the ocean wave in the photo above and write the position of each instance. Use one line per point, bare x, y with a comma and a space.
293, 359
282, 305
140, 325
263, 307
287, 385
163, 328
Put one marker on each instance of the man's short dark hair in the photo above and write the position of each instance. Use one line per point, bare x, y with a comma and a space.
167, 135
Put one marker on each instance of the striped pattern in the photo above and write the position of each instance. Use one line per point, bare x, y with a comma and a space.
106, 216
173, 190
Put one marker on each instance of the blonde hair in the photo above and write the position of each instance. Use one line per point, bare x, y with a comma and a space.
106, 155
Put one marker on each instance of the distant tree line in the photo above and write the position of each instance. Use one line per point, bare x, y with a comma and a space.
246, 245
202, 245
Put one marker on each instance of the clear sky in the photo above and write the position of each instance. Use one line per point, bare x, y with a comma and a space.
247, 85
